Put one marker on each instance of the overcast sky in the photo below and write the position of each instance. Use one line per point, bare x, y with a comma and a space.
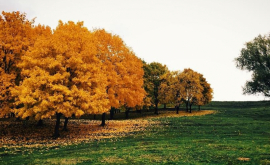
204, 35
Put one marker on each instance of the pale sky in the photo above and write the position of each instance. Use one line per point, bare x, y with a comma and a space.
204, 35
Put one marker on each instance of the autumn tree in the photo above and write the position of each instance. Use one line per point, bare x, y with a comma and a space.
190, 81
177, 90
207, 92
15, 38
123, 71
165, 95
152, 76
62, 76
17, 34
255, 57
131, 93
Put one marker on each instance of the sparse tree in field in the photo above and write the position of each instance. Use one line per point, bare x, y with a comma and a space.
255, 57
152, 76
62, 76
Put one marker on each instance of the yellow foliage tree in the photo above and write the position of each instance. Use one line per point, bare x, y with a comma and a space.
177, 89
131, 92
16, 35
165, 95
190, 81
62, 76
123, 71
207, 92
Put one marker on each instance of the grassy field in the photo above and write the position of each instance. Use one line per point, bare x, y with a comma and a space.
239, 133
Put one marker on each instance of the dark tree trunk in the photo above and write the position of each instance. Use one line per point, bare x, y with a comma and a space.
56, 130
112, 111
190, 108
177, 109
165, 106
65, 124
94, 117
199, 107
103, 119
127, 113
11, 115
40, 123
156, 109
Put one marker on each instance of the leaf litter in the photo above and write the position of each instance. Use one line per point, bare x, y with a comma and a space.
26, 134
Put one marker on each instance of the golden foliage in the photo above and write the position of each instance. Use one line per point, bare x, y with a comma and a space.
122, 68
207, 92
16, 35
166, 88
190, 81
62, 75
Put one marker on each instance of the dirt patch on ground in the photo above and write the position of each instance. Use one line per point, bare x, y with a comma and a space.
28, 134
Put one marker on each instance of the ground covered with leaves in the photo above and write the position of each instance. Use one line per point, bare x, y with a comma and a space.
15, 134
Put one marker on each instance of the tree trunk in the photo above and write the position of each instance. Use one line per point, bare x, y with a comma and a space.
165, 106
94, 117
190, 108
156, 109
199, 107
56, 130
112, 111
177, 109
65, 124
103, 119
40, 123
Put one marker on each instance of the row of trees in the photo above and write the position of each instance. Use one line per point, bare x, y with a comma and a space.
72, 71
174, 87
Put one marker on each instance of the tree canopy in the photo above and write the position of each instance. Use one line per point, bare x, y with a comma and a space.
152, 78
255, 57
72, 71
16, 35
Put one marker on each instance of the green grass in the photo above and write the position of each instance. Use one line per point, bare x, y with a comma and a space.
238, 130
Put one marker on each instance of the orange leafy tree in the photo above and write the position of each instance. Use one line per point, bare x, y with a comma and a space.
131, 93
16, 35
62, 76
123, 71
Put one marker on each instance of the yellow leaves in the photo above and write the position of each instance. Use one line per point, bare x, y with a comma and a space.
79, 131
188, 86
70, 71
79, 113
122, 68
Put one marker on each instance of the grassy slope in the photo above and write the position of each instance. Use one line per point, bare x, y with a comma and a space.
241, 130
